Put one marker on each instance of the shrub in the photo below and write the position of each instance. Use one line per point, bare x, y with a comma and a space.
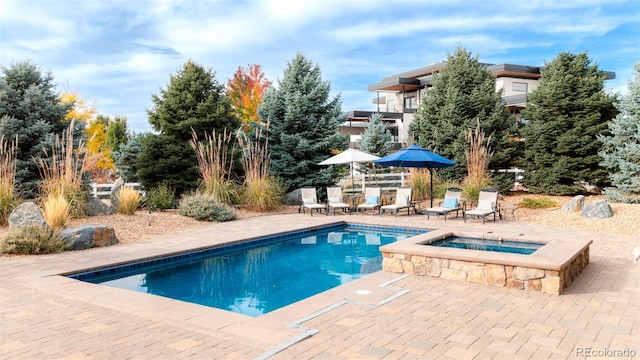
262, 191
471, 186
478, 156
7, 203
538, 203
62, 172
214, 164
440, 188
128, 200
421, 184
263, 194
32, 240
8, 198
205, 207
160, 198
56, 211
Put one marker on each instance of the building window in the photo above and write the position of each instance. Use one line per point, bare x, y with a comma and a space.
519, 86
410, 103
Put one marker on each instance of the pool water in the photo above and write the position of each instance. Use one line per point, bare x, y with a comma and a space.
259, 276
504, 246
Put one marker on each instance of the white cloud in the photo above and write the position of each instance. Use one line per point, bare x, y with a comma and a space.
120, 52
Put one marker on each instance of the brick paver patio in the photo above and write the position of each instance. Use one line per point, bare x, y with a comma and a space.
47, 316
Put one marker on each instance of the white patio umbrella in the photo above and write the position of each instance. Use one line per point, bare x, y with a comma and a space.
350, 156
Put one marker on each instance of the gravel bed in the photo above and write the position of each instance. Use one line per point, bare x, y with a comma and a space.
145, 225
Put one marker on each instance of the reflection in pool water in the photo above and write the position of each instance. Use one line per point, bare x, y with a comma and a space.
266, 275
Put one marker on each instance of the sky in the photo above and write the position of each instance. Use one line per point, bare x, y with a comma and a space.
116, 54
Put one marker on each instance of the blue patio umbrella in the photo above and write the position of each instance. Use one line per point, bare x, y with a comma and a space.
416, 157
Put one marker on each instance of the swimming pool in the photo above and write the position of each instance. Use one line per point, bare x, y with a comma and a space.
496, 245
260, 275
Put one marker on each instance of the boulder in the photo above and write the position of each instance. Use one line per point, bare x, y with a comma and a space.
89, 236
294, 197
115, 188
597, 210
99, 207
575, 205
26, 214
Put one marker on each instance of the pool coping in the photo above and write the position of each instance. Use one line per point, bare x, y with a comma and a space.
550, 269
555, 255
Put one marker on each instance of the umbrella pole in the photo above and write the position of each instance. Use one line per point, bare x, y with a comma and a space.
431, 186
352, 183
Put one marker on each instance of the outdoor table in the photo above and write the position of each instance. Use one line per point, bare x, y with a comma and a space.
387, 199
510, 211
413, 205
354, 200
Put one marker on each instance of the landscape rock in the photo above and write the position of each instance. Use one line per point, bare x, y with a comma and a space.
26, 214
294, 197
89, 236
597, 210
115, 188
575, 205
100, 207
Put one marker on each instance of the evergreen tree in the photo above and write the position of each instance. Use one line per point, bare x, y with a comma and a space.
193, 101
116, 133
31, 109
376, 139
173, 163
125, 159
303, 126
620, 151
565, 114
463, 94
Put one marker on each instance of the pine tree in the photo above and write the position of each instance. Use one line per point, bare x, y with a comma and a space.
117, 133
125, 158
565, 114
303, 126
620, 151
31, 109
463, 94
376, 139
193, 101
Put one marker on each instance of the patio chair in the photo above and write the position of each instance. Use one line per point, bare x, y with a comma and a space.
335, 200
372, 200
487, 205
310, 201
451, 203
403, 201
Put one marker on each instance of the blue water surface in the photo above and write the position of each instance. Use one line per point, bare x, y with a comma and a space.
264, 275
504, 246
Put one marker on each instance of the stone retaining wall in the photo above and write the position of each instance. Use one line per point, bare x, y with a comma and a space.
516, 277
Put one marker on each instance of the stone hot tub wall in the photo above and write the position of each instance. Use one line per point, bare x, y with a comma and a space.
550, 269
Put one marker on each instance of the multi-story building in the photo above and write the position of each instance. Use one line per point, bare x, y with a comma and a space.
398, 96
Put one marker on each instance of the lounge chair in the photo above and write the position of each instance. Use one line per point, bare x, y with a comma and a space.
372, 200
335, 200
403, 201
451, 203
310, 201
487, 205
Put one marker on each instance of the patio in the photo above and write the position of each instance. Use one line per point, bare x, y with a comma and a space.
43, 315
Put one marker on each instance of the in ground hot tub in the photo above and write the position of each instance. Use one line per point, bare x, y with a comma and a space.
483, 244
552, 266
